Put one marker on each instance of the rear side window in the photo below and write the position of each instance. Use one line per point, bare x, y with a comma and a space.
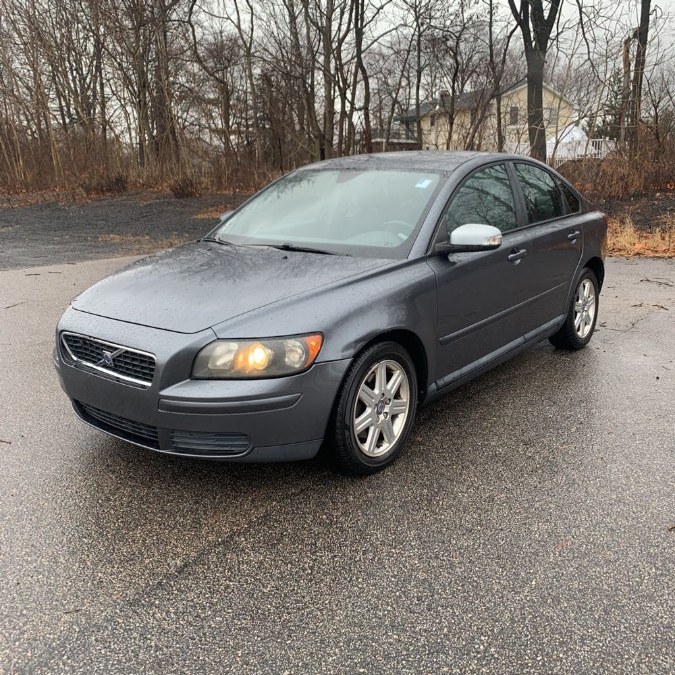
485, 198
543, 200
572, 200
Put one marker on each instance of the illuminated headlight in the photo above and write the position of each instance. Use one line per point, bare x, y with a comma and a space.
244, 359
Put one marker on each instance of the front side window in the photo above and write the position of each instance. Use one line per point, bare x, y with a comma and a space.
485, 198
369, 213
542, 197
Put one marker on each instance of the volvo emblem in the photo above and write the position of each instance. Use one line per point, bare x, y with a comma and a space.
108, 358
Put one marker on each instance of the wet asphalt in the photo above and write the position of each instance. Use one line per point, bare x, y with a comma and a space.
529, 527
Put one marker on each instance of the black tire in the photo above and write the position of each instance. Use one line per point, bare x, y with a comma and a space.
569, 337
350, 456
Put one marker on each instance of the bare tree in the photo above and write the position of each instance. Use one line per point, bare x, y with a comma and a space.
536, 26
642, 35
93, 92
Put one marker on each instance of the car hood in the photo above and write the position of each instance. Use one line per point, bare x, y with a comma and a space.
194, 287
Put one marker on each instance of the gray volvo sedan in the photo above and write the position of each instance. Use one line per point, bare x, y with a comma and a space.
332, 304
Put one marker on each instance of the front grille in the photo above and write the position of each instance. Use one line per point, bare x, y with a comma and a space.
209, 444
136, 432
123, 362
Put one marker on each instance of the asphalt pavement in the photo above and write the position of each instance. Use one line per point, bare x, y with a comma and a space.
529, 527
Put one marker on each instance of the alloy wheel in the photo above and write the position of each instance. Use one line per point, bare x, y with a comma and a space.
584, 308
381, 408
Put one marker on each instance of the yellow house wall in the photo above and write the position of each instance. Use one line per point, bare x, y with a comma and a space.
515, 136
436, 137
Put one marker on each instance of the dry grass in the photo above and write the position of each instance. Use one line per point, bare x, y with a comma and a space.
624, 239
215, 212
124, 238
143, 244
211, 214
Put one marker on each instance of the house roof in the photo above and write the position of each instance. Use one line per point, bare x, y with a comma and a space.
467, 101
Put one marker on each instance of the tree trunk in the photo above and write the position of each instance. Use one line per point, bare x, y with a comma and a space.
329, 102
535, 105
418, 86
359, 23
638, 76
535, 27
625, 92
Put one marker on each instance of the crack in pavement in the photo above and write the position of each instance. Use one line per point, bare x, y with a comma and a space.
85, 630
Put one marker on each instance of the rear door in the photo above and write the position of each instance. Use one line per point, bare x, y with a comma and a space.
556, 234
483, 297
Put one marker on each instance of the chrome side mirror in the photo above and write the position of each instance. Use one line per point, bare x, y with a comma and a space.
475, 237
471, 237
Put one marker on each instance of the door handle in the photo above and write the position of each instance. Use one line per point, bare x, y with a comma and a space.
516, 254
574, 235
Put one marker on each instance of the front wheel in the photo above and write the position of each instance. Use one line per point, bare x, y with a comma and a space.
375, 409
582, 315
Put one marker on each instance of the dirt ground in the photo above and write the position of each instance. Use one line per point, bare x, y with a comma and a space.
136, 223
646, 211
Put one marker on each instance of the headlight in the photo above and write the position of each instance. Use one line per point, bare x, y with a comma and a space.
244, 359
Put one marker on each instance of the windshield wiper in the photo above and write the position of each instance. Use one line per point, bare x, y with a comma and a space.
224, 242
304, 249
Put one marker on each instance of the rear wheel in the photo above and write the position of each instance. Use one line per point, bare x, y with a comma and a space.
375, 409
582, 315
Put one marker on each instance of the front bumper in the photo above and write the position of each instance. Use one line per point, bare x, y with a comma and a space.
266, 420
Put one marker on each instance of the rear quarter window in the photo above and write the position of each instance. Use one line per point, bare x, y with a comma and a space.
573, 203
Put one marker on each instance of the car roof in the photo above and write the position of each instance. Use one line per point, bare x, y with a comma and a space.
425, 160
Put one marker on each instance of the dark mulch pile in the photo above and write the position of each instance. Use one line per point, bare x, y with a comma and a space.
136, 223
646, 211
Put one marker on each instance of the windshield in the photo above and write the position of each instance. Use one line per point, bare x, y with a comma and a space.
373, 213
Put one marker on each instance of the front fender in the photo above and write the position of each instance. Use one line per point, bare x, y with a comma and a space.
352, 313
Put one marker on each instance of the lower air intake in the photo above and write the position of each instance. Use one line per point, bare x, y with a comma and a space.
209, 444
136, 432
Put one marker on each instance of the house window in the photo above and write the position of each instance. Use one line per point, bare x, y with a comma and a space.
432, 120
513, 115
552, 117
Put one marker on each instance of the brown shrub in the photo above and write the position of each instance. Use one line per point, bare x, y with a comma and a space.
115, 184
620, 175
185, 187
